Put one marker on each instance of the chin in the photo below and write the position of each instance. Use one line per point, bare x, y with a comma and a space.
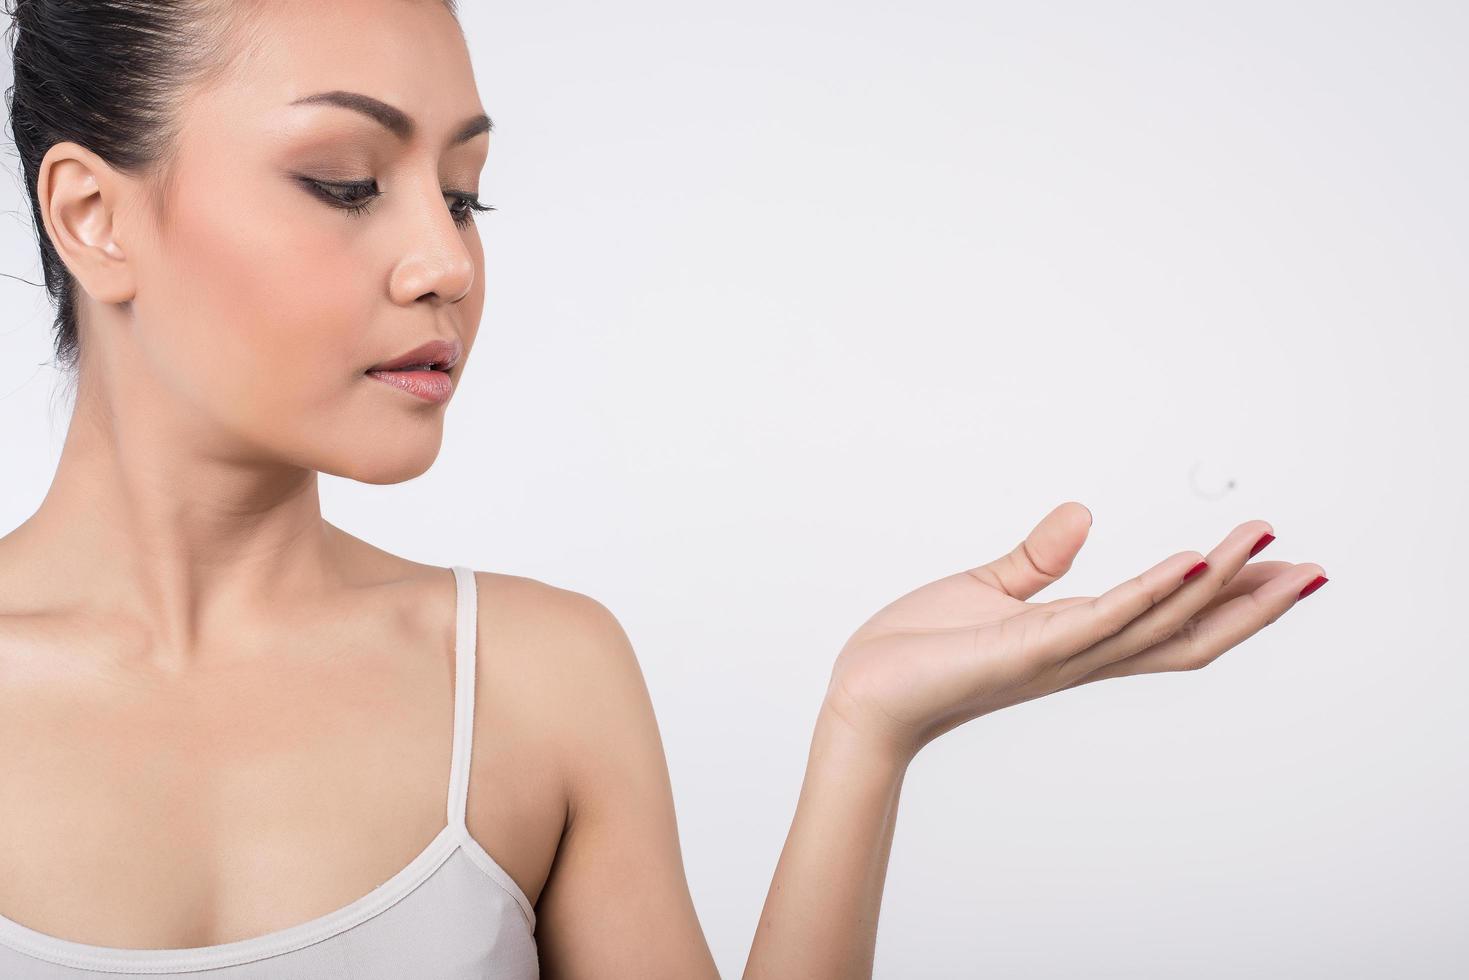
379, 466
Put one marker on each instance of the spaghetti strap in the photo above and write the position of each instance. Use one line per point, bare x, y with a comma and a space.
465, 636
450, 911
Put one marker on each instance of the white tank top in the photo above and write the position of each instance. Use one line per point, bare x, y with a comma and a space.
452, 914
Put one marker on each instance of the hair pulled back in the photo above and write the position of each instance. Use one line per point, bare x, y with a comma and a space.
110, 75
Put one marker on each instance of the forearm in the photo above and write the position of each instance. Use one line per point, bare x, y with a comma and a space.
820, 915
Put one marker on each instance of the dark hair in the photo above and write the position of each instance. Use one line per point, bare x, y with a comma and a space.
109, 75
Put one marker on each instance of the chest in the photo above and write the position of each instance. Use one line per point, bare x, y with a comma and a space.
145, 815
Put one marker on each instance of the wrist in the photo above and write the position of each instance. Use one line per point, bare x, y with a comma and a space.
840, 742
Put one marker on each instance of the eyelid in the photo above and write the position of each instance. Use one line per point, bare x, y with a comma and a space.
371, 182
468, 199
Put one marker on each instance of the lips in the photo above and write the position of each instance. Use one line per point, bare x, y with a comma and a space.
437, 355
429, 386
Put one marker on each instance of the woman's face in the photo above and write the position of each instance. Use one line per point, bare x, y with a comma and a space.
260, 303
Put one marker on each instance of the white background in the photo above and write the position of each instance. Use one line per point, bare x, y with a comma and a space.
794, 306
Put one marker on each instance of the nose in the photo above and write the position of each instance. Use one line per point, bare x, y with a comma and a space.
437, 264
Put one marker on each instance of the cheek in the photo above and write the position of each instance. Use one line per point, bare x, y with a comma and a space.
472, 307
264, 307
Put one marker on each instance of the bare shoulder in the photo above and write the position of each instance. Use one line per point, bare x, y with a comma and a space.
576, 673
561, 714
615, 901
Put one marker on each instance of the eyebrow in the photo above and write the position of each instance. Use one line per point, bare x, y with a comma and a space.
395, 120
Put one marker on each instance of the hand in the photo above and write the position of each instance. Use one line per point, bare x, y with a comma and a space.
969, 644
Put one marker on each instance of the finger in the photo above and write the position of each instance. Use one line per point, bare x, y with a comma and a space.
1249, 578
1064, 634
1201, 642
1043, 557
1224, 561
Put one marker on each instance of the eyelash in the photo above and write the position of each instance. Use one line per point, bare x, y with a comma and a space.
323, 189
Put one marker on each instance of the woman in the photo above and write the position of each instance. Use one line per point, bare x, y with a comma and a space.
236, 740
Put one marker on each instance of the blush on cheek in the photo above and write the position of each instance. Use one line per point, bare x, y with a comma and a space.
266, 312
281, 282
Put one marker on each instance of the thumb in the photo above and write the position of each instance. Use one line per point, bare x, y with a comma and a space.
1043, 557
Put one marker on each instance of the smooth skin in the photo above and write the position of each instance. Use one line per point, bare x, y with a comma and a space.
221, 715
962, 647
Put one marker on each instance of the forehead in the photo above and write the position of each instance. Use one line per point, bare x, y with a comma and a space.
408, 53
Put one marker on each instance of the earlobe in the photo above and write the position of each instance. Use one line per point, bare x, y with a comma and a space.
79, 194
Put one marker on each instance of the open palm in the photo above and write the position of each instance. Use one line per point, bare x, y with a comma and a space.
969, 643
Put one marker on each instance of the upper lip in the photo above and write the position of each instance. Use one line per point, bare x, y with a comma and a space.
441, 354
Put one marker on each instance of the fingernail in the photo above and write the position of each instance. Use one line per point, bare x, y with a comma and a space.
1261, 544
1316, 583
1195, 570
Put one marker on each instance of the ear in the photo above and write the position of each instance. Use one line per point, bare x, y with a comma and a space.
79, 194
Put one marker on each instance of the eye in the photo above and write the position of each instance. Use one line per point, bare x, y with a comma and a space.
356, 196
469, 204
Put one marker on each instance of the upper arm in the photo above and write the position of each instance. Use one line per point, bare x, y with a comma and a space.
617, 902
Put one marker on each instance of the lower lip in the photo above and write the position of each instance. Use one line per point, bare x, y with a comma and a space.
431, 386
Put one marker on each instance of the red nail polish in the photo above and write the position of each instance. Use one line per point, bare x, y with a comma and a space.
1261, 544
1316, 583
1195, 570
